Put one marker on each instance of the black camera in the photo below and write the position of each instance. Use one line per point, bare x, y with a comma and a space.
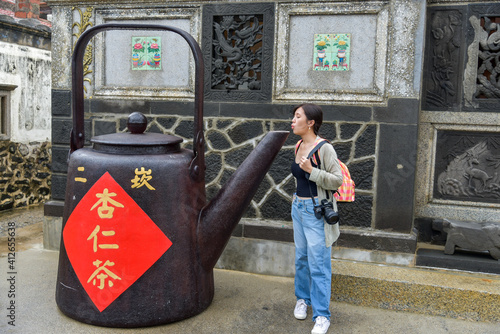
326, 209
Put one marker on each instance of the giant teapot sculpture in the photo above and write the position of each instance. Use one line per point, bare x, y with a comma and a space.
139, 241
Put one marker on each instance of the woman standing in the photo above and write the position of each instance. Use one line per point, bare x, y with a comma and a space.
313, 237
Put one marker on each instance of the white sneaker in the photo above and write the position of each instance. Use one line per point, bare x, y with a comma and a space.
321, 325
300, 311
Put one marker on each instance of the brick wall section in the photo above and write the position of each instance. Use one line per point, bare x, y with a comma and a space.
27, 9
7, 7
23, 9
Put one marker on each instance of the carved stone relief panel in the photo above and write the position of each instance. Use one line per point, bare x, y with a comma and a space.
83, 20
238, 51
488, 73
482, 71
443, 58
467, 166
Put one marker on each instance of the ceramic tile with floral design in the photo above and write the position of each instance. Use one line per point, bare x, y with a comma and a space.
331, 52
146, 53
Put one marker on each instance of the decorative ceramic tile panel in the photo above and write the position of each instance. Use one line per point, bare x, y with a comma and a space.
331, 52
146, 53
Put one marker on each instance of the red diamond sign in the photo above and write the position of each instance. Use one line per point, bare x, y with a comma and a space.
111, 241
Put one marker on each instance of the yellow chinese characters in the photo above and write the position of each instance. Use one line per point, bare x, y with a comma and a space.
105, 211
80, 179
145, 176
93, 235
102, 273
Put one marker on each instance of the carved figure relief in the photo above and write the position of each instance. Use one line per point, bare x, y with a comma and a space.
472, 236
471, 175
488, 73
78, 29
237, 52
444, 53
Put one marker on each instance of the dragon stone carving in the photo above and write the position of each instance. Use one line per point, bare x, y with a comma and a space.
488, 73
237, 53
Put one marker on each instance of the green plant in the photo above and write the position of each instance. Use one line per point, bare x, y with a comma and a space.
322, 45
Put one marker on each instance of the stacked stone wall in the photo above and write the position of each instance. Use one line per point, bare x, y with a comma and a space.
230, 140
25, 174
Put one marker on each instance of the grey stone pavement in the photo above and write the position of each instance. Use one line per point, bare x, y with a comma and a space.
243, 302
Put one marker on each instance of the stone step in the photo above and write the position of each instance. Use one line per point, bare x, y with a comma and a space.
455, 294
380, 279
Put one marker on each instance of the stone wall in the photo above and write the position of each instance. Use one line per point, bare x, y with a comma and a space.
25, 139
258, 65
230, 140
457, 171
26, 174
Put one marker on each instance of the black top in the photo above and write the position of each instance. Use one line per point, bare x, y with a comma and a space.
302, 182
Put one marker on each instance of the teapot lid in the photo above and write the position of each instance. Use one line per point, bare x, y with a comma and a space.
136, 142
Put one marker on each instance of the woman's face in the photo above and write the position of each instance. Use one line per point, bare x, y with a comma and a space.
300, 124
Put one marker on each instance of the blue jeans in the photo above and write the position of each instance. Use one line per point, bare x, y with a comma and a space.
313, 266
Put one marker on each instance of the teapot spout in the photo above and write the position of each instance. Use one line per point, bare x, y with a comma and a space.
220, 216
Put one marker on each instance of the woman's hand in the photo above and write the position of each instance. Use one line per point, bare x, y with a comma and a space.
305, 165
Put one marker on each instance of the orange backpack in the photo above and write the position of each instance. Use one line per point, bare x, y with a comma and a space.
345, 193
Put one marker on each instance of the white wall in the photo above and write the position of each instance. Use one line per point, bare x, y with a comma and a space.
30, 110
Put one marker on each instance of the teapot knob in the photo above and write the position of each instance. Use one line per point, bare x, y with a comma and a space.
137, 122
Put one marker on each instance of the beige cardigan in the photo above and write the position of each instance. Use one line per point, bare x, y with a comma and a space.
328, 176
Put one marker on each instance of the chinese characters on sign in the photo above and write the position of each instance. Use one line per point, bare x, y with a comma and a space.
93, 236
110, 240
81, 179
102, 276
106, 211
145, 176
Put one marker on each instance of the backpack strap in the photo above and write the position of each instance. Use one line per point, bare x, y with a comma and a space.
297, 146
315, 150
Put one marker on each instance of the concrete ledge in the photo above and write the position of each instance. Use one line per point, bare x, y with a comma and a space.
52, 229
371, 256
435, 292
258, 257
453, 294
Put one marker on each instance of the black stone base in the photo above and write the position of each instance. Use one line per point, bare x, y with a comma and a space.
461, 260
53, 208
377, 241
349, 238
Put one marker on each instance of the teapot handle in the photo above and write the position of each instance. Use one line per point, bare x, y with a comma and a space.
78, 134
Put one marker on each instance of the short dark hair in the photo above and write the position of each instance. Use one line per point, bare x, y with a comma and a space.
313, 112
